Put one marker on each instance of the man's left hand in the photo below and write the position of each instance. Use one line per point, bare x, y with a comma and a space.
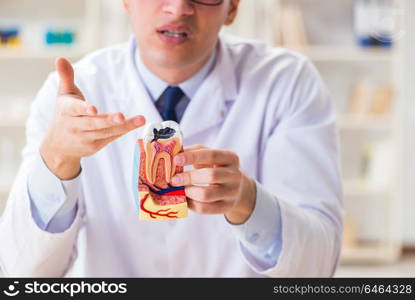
228, 190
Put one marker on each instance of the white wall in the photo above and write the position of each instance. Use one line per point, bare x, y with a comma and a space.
115, 24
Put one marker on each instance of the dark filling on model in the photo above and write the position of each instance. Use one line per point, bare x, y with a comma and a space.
163, 133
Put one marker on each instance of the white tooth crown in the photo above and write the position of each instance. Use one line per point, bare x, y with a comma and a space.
148, 134
164, 149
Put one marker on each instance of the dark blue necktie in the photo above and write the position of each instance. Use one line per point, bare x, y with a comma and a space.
171, 97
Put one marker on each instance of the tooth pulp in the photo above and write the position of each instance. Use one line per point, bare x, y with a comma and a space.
165, 152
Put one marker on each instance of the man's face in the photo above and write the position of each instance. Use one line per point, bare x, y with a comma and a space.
176, 34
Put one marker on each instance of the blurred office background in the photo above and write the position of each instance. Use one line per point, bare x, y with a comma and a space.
363, 49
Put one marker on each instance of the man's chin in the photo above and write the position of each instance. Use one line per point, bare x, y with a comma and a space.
171, 61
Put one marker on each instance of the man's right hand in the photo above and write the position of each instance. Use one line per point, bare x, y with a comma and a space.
78, 130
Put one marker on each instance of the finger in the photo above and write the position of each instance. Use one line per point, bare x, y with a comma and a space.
97, 122
204, 176
218, 207
67, 78
75, 107
102, 143
207, 156
209, 193
201, 166
118, 130
194, 147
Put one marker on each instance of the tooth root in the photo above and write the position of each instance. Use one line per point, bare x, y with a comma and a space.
148, 165
150, 153
154, 170
167, 167
173, 169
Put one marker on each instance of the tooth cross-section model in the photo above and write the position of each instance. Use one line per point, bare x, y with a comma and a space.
158, 200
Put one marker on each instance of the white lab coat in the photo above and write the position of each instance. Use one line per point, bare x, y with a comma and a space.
267, 105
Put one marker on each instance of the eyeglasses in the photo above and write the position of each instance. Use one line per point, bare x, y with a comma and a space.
208, 2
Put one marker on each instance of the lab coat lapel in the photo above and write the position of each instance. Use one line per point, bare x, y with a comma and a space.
143, 105
207, 108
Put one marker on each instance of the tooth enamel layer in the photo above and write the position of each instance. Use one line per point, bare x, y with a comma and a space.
161, 149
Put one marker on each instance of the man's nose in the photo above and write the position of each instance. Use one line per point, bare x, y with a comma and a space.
178, 7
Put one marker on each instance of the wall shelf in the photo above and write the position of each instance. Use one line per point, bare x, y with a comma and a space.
362, 188
12, 123
371, 254
338, 54
8, 54
374, 123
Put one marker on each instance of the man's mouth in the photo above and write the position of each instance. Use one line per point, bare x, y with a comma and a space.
174, 34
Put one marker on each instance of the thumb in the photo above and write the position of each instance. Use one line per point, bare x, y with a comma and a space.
67, 77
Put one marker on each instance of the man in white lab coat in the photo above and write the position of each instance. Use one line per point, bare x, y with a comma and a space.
261, 172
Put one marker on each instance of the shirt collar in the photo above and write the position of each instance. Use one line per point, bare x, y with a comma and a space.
156, 86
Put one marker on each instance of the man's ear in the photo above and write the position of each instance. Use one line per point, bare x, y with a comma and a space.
126, 4
233, 10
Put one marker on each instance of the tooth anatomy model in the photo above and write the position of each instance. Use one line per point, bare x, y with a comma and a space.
158, 200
